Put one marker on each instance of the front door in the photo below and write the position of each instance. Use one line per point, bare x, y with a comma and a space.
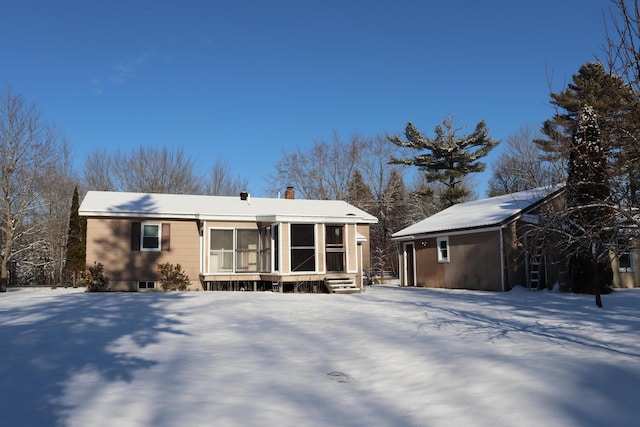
409, 265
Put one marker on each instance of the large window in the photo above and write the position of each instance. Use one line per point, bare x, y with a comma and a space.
221, 251
230, 248
265, 249
246, 251
303, 249
150, 237
334, 247
443, 249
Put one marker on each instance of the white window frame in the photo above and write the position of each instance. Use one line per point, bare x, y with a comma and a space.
441, 253
222, 252
142, 235
314, 248
631, 267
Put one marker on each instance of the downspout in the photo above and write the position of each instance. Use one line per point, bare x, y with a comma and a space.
200, 225
502, 278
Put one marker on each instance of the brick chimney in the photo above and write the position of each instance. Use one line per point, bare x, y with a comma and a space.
289, 193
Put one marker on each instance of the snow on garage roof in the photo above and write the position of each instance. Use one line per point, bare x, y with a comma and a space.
478, 213
155, 205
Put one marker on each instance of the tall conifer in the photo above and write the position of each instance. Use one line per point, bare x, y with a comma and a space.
589, 220
76, 251
448, 157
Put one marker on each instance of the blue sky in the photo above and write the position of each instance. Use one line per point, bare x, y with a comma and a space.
244, 80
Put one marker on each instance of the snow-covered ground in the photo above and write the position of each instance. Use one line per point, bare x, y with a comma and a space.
389, 357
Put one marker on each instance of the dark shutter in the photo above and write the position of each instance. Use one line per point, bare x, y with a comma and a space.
166, 232
135, 236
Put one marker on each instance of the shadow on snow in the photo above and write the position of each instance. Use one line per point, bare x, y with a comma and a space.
46, 343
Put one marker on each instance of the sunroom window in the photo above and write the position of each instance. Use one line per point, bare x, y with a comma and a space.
265, 249
334, 247
303, 249
246, 251
221, 251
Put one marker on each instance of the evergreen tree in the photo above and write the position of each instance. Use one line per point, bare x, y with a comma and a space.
595, 132
589, 220
359, 194
76, 252
615, 105
391, 211
448, 157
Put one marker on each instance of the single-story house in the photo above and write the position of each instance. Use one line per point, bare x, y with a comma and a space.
234, 243
475, 245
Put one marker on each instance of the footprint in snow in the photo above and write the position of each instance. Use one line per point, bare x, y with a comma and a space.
340, 377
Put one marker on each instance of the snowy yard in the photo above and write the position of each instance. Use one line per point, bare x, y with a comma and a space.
388, 357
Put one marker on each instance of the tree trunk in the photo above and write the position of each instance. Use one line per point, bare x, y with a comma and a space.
3, 278
595, 274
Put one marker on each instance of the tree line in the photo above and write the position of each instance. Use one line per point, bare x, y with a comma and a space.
590, 144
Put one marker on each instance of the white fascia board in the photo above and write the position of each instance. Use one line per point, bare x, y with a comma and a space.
230, 217
109, 214
316, 219
446, 233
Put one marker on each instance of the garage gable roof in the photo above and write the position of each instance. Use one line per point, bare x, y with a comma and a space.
481, 213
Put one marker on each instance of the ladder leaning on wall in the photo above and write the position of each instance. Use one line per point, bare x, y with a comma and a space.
536, 265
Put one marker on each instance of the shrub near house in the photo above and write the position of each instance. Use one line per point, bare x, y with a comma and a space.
173, 278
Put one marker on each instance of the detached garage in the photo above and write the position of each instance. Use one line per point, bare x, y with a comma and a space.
475, 245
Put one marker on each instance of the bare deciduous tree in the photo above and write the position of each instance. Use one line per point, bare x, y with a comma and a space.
520, 165
156, 170
98, 171
622, 50
145, 170
29, 151
56, 192
323, 172
622, 55
222, 183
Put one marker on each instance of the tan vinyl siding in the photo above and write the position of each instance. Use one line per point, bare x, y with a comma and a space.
285, 256
351, 249
109, 242
365, 246
474, 262
626, 279
429, 272
321, 260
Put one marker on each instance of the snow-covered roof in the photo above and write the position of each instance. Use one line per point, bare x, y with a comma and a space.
223, 208
478, 213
